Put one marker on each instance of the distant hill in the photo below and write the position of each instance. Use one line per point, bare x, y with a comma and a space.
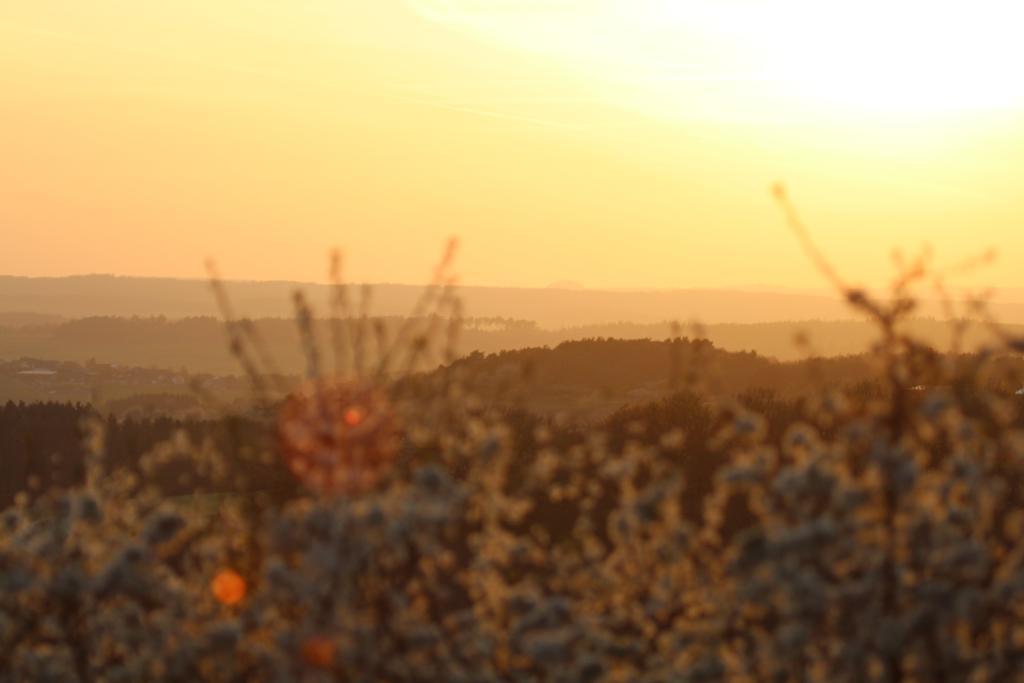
555, 307
587, 378
102, 295
105, 295
119, 389
595, 377
199, 344
23, 319
592, 378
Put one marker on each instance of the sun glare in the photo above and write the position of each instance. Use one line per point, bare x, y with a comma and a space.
789, 58
904, 57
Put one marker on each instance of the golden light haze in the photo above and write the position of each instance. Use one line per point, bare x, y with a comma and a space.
614, 143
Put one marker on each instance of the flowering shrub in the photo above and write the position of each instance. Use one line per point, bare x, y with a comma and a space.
875, 538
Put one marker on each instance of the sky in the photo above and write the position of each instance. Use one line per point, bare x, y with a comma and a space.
612, 143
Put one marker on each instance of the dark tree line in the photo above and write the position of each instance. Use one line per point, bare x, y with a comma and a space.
41, 448
41, 445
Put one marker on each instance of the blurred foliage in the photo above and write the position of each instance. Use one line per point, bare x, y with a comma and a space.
863, 533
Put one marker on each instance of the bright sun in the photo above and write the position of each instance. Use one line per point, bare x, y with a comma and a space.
901, 57
744, 58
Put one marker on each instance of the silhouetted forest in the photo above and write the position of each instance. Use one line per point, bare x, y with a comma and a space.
42, 447
42, 443
593, 377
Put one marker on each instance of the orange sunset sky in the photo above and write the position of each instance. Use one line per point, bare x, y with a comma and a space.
617, 143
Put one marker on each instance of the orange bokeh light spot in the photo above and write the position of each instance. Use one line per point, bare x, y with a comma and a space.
228, 587
337, 436
318, 651
354, 416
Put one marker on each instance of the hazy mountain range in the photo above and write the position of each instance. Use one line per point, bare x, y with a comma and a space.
551, 308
